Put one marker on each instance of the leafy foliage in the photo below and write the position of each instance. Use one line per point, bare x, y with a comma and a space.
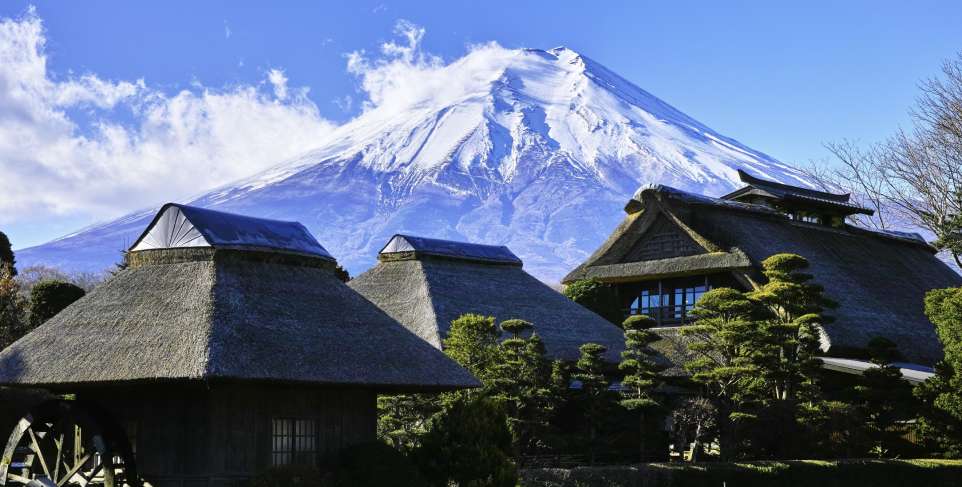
790, 327
596, 296
468, 445
724, 340
403, 419
642, 374
375, 464
521, 383
472, 342
7, 258
941, 396
12, 308
49, 298
883, 399
595, 398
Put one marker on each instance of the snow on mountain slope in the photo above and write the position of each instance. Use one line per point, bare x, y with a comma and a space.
537, 150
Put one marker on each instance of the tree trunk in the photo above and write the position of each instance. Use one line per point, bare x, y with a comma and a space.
696, 445
641, 438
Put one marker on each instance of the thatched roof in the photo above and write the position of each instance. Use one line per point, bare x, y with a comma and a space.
425, 292
879, 279
224, 314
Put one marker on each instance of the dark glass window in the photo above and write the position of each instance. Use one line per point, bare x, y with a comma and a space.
294, 442
669, 302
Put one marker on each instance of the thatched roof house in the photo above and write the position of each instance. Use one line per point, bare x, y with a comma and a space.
214, 296
426, 283
225, 347
672, 246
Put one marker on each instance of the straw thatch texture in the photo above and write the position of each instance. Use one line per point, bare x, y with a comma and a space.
879, 279
427, 293
215, 315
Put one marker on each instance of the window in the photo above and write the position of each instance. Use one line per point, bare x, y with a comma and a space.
669, 302
294, 442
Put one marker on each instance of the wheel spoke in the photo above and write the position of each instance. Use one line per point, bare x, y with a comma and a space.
76, 468
35, 446
16, 478
56, 468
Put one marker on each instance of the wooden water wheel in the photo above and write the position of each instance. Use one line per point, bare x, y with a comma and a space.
65, 443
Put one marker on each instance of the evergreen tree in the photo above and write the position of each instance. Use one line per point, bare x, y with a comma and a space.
12, 306
342, 274
941, 395
7, 258
49, 298
883, 398
595, 398
790, 327
642, 374
472, 342
468, 445
521, 382
694, 422
724, 339
403, 419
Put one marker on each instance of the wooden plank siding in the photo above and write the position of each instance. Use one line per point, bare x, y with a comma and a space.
218, 435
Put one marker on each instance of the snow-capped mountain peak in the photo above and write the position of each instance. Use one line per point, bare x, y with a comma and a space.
535, 149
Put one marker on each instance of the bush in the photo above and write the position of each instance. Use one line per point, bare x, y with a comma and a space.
801, 473
290, 476
49, 298
468, 445
376, 464
596, 296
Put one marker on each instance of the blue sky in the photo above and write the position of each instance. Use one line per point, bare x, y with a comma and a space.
782, 78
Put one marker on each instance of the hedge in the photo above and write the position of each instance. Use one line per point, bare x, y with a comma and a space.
797, 473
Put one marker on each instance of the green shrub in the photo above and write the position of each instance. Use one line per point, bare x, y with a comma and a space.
468, 445
596, 296
376, 464
290, 476
801, 473
49, 298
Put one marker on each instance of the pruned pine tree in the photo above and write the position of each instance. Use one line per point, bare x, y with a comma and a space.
595, 397
403, 419
521, 382
884, 398
642, 373
472, 342
723, 339
790, 328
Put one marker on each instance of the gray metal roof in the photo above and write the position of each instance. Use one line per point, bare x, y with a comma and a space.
181, 226
449, 248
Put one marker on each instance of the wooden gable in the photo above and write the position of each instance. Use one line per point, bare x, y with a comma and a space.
663, 239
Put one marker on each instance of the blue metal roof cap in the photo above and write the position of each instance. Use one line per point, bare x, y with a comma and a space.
178, 226
449, 248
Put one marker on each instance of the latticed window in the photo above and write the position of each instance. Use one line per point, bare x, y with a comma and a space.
294, 442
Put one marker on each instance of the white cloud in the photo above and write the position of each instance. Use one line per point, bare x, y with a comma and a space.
63, 152
402, 75
227, 31
279, 82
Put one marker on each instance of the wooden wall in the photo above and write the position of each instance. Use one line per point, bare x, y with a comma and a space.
221, 434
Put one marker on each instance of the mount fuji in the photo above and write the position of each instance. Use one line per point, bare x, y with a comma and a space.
537, 150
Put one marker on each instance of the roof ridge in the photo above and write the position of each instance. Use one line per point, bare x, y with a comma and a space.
430, 299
